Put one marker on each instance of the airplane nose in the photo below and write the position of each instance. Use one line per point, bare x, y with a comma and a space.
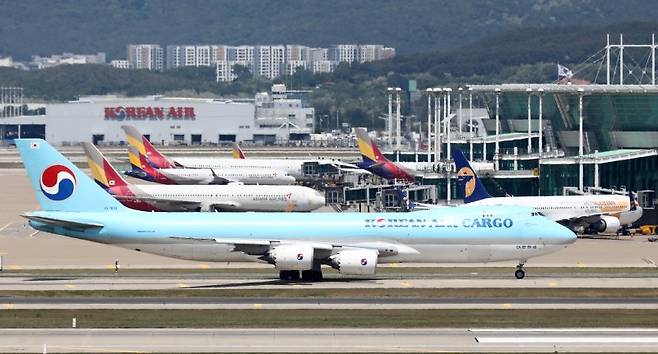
563, 235
289, 179
319, 201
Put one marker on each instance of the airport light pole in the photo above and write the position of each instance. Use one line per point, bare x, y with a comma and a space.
437, 126
470, 121
460, 112
580, 140
540, 143
398, 119
429, 92
497, 147
389, 92
529, 91
448, 164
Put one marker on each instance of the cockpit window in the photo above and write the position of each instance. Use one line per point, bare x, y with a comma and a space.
536, 213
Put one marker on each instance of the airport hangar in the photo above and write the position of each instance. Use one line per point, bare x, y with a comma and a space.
273, 117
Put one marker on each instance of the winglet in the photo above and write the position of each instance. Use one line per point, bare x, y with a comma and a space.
471, 186
237, 152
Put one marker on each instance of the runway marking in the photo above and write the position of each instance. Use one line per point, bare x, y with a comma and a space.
552, 284
182, 285
406, 284
8, 306
506, 306
34, 233
204, 266
15, 267
258, 306
567, 339
70, 286
650, 262
94, 349
109, 266
4, 227
581, 265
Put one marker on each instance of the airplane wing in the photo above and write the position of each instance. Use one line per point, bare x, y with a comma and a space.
79, 225
260, 247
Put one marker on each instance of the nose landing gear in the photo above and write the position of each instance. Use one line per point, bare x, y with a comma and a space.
520, 272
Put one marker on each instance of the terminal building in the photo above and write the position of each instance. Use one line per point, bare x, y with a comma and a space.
272, 117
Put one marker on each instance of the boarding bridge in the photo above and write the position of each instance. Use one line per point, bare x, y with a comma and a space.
378, 197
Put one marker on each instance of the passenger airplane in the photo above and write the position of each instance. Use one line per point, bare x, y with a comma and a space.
599, 213
233, 197
73, 205
374, 161
142, 168
293, 167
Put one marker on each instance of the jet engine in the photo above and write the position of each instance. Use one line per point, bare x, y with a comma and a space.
607, 224
355, 262
292, 257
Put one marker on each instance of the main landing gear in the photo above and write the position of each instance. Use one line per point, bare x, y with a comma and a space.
520, 272
306, 275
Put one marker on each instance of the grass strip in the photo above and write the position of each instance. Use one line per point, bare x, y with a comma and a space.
351, 292
327, 318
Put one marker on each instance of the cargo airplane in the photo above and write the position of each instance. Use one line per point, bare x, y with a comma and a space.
593, 213
374, 161
142, 168
354, 243
291, 167
233, 197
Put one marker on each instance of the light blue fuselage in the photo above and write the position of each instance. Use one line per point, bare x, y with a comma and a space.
464, 234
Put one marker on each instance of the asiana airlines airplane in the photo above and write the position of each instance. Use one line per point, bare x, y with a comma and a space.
73, 205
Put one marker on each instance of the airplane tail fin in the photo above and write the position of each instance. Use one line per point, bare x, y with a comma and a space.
60, 185
140, 164
237, 152
469, 182
143, 145
103, 172
370, 154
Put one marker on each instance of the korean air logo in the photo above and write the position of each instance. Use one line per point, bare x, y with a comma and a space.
120, 113
467, 175
58, 182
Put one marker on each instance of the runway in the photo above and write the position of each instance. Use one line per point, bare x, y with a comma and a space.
325, 303
247, 281
327, 340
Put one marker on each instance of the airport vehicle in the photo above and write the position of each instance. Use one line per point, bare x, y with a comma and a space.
354, 243
231, 197
594, 213
374, 161
142, 168
292, 167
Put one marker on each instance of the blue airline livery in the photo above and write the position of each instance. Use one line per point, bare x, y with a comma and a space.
73, 205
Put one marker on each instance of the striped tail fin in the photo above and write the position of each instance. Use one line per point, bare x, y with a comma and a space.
471, 186
143, 145
370, 154
237, 152
141, 165
103, 172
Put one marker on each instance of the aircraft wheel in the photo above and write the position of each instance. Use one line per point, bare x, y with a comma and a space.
519, 274
289, 275
311, 275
